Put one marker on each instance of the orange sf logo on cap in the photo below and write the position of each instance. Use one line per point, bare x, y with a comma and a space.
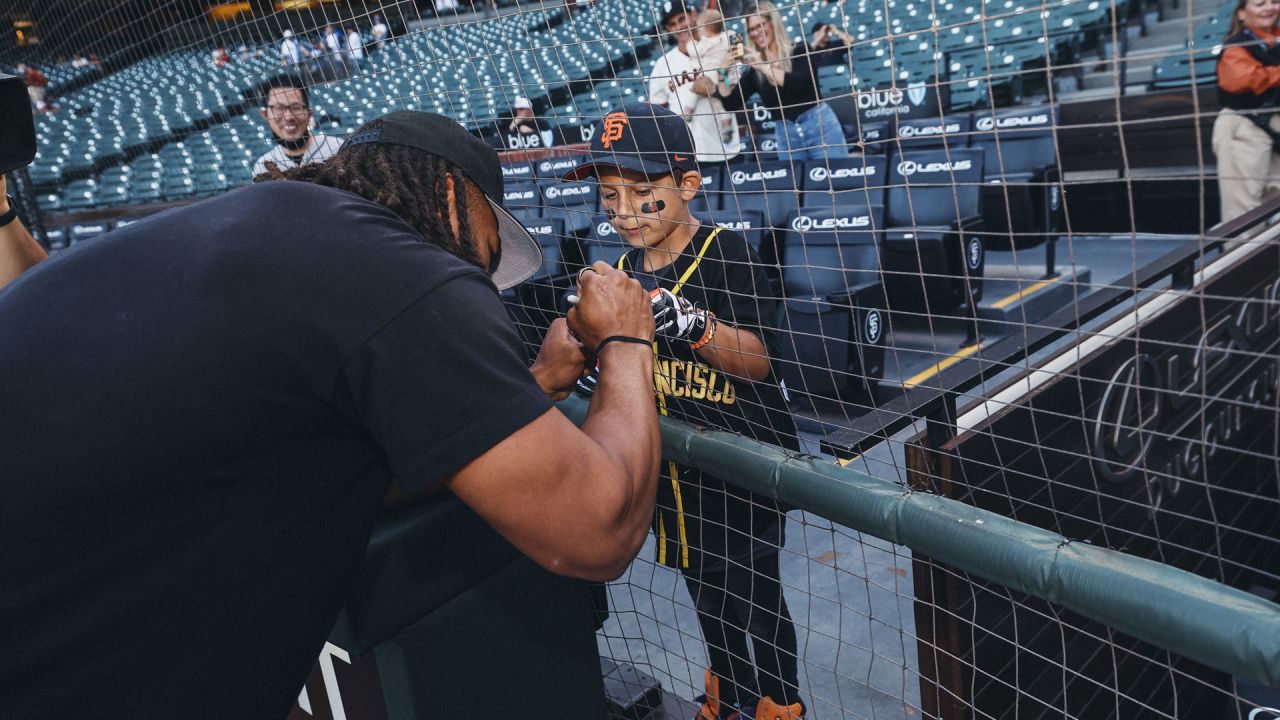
614, 122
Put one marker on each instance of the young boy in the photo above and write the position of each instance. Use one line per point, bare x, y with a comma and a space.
714, 342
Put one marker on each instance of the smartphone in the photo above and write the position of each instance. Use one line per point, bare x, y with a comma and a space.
735, 42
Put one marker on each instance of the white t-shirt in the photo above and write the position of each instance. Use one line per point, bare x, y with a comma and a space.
355, 44
322, 148
291, 52
715, 130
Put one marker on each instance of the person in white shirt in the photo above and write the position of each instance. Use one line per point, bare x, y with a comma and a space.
291, 52
672, 85
355, 45
332, 42
380, 31
287, 111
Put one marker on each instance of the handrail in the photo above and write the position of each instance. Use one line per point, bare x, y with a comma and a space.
937, 400
1184, 613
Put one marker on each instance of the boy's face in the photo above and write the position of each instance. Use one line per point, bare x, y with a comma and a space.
625, 192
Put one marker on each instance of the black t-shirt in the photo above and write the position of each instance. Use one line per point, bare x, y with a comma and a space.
797, 94
717, 520
202, 412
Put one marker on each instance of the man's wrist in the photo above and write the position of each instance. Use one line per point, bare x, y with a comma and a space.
615, 340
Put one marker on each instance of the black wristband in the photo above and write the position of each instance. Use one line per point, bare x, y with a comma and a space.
10, 216
622, 338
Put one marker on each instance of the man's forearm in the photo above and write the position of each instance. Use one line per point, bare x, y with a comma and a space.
18, 250
623, 420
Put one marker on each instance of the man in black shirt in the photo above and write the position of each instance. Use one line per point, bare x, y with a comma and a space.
204, 411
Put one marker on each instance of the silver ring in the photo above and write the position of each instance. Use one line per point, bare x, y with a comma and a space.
585, 269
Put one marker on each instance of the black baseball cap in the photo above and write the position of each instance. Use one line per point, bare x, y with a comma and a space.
445, 138
648, 139
672, 8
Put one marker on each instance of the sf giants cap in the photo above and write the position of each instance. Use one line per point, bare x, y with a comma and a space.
444, 138
648, 139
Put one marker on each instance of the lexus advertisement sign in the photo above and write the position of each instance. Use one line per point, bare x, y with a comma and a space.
1155, 435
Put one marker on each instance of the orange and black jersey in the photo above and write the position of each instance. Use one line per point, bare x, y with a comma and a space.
701, 520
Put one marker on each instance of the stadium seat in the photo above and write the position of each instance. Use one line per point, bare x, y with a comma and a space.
1022, 199
769, 187
603, 244
836, 181
711, 196
534, 304
80, 232
554, 168
1185, 70
832, 322
56, 239
747, 223
575, 202
932, 258
951, 131
870, 136
517, 171
522, 199
80, 195
549, 233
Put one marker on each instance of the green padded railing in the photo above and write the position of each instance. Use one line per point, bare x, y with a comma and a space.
1197, 618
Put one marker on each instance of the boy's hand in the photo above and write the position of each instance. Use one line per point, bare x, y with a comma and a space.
678, 318
611, 303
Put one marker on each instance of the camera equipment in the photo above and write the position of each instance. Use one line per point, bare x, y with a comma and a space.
17, 128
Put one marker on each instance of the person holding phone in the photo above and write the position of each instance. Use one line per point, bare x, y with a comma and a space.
782, 73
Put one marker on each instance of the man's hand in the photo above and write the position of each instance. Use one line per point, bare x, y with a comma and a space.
704, 85
611, 303
560, 362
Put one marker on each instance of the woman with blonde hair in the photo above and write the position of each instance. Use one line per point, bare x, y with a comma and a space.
1247, 127
782, 72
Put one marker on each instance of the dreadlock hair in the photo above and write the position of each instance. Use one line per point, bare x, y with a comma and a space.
409, 182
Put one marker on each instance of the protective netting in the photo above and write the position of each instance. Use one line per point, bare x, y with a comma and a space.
983, 264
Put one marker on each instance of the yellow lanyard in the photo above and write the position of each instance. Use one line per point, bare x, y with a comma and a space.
672, 470
688, 273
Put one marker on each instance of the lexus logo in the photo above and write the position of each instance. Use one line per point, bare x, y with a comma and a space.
911, 167
1130, 406
805, 223
739, 176
604, 228
989, 123
821, 173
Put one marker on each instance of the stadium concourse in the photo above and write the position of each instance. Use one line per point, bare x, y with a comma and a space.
1024, 179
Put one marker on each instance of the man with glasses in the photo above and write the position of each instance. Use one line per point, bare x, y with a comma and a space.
287, 111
